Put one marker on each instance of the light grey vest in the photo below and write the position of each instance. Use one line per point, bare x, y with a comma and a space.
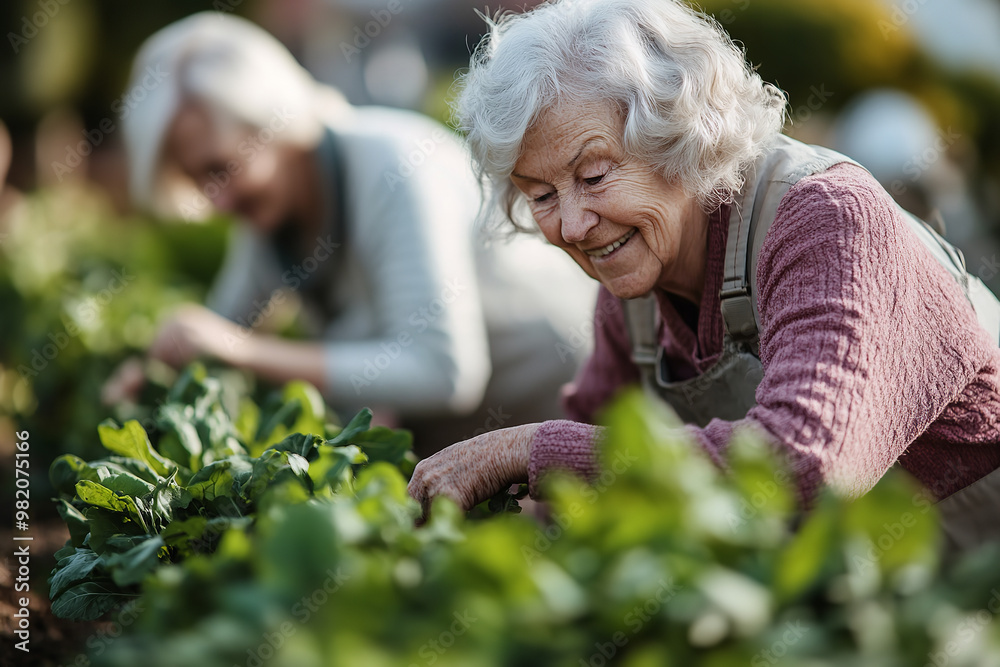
727, 390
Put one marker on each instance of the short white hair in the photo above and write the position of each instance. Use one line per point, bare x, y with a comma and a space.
241, 72
693, 108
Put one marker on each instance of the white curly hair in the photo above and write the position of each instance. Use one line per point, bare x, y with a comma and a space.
693, 109
239, 70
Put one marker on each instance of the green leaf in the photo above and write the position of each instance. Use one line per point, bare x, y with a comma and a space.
127, 484
801, 563
313, 414
99, 495
216, 480
132, 566
360, 423
106, 524
286, 415
300, 443
166, 497
384, 444
273, 467
67, 470
131, 441
176, 420
119, 464
89, 601
71, 570
334, 464
247, 420
77, 523
189, 385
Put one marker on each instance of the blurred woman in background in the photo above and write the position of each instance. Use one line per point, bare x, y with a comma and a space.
364, 216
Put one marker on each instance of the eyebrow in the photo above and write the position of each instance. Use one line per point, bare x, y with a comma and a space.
582, 148
568, 164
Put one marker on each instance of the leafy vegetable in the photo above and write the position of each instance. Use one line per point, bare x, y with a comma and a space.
142, 508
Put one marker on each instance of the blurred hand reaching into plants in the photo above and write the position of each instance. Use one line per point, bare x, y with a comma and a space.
473, 470
125, 383
194, 331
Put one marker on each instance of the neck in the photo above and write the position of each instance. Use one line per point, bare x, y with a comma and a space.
686, 277
308, 212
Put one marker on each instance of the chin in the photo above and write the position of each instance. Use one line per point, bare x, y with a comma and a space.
627, 287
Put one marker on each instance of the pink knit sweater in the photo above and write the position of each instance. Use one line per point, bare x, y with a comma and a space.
871, 353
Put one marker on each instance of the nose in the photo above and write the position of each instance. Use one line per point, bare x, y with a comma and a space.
577, 219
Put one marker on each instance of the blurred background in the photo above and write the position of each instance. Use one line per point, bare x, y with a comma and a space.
910, 88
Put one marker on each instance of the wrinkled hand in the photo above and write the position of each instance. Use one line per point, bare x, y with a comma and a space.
194, 331
471, 471
125, 383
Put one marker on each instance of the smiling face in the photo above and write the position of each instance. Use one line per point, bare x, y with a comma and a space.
622, 222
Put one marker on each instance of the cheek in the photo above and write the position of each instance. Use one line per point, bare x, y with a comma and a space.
549, 223
261, 173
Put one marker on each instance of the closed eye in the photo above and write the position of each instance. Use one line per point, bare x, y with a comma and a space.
543, 198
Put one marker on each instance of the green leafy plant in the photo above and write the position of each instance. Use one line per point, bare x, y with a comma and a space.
663, 559
143, 506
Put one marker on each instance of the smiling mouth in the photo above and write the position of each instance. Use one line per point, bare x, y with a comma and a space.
608, 249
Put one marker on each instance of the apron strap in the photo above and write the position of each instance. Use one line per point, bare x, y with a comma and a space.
642, 320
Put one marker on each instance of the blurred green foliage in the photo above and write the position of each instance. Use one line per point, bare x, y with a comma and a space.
81, 289
661, 560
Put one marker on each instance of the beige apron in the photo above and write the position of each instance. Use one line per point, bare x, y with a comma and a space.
727, 390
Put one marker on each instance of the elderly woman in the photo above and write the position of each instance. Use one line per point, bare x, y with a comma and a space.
365, 217
748, 280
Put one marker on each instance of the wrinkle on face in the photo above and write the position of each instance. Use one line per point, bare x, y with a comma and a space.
585, 192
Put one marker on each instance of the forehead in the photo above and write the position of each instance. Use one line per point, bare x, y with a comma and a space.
191, 134
563, 128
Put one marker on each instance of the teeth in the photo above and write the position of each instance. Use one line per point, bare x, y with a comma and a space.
608, 249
